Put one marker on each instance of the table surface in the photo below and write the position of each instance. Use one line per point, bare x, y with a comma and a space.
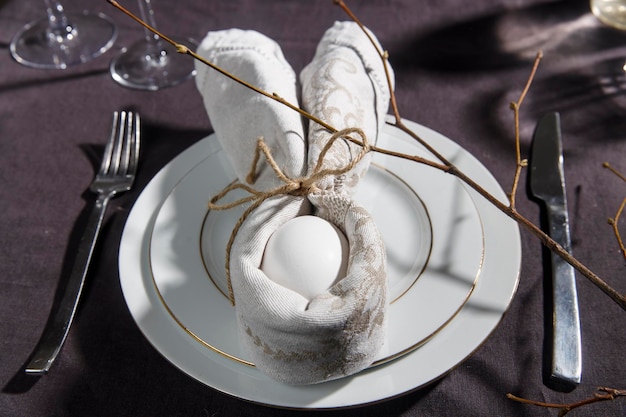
458, 66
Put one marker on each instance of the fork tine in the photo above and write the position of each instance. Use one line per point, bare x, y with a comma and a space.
126, 145
108, 150
116, 158
134, 148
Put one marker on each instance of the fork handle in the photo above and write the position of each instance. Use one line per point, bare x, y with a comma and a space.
61, 317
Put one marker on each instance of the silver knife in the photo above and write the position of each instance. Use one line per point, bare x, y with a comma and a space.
547, 183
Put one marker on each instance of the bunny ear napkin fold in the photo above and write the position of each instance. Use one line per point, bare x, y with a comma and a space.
340, 331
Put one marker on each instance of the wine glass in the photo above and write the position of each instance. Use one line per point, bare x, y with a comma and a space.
60, 40
151, 63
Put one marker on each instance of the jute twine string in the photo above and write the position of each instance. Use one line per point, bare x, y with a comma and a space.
301, 186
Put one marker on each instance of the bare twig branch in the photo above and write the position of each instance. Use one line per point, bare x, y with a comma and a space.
443, 163
602, 394
614, 222
614, 171
515, 106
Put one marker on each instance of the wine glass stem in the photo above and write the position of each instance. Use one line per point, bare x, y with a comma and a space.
57, 19
147, 14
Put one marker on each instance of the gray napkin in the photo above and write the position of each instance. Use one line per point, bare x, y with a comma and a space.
340, 331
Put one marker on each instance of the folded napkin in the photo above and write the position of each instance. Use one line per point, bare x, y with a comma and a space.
340, 331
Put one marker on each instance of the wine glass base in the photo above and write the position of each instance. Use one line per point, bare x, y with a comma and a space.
90, 35
144, 67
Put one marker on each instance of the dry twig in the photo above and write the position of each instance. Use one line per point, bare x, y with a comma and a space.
602, 394
613, 221
515, 106
442, 163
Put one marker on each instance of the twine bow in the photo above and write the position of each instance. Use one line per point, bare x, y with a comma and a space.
301, 186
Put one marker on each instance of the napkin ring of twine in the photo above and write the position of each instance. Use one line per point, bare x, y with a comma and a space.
301, 186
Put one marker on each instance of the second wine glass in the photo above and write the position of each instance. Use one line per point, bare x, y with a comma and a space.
61, 40
151, 63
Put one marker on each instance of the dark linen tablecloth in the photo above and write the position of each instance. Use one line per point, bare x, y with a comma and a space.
458, 66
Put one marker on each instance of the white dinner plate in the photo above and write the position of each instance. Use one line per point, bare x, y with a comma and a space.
453, 268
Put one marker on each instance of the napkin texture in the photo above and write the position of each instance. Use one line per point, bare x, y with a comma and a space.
239, 115
341, 331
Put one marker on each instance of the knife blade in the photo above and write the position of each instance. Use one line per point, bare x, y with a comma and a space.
547, 183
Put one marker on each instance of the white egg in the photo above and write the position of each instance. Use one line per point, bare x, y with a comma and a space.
307, 254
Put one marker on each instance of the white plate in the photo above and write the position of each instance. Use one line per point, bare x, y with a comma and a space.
163, 277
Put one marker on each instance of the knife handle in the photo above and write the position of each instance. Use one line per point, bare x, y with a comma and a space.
566, 367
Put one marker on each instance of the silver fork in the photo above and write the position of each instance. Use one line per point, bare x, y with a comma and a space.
116, 175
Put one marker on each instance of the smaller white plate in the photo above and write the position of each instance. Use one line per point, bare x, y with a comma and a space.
434, 252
